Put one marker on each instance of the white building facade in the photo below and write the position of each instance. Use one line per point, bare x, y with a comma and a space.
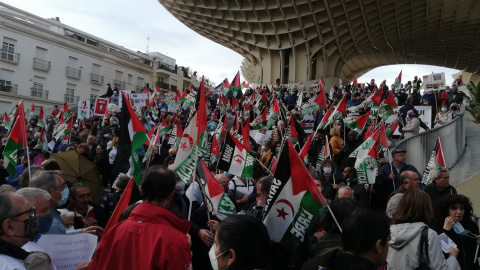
46, 62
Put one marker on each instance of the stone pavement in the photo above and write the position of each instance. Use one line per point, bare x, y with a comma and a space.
469, 163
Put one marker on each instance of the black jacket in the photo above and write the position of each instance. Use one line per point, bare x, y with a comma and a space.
99, 215
338, 260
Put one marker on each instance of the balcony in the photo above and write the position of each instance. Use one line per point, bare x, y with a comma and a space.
39, 93
73, 73
163, 85
9, 88
166, 67
71, 98
95, 78
173, 88
119, 84
11, 57
41, 64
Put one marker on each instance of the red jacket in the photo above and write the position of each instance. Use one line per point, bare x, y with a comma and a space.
151, 238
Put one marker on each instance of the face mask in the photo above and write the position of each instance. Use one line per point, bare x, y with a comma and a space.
180, 186
70, 229
347, 180
115, 122
64, 198
213, 258
44, 223
98, 127
306, 161
277, 149
327, 170
444, 109
227, 174
458, 228
31, 228
263, 147
410, 115
114, 114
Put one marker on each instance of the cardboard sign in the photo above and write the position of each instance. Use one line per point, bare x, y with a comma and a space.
68, 251
139, 100
101, 105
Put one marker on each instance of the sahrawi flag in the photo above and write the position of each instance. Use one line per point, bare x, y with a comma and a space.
83, 112
398, 81
293, 203
193, 143
387, 106
41, 119
235, 159
292, 131
6, 121
374, 98
163, 128
63, 130
366, 159
218, 202
236, 83
437, 160
16, 141
261, 120
359, 123
274, 113
324, 154
227, 89
391, 129
33, 114
137, 135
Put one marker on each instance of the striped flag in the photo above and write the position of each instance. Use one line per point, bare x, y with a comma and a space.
235, 159
16, 141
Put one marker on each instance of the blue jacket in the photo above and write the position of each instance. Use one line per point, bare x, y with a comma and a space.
385, 171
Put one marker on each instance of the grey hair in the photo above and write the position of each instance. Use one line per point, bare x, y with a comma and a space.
64, 213
122, 181
30, 194
345, 188
45, 179
5, 188
8, 208
437, 172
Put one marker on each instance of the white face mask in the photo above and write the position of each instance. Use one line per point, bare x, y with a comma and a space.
180, 186
213, 258
327, 170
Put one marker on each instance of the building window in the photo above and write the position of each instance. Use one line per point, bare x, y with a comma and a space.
72, 70
129, 79
39, 61
38, 88
8, 50
94, 93
118, 83
70, 94
6, 84
95, 75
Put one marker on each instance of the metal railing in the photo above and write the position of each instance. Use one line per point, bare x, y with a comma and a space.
95, 78
71, 98
10, 88
163, 85
420, 146
166, 67
39, 93
73, 73
119, 84
10, 57
41, 64
138, 88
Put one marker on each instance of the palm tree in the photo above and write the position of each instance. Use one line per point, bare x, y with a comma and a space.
474, 100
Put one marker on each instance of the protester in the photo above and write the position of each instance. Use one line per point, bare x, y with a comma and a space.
242, 242
109, 200
457, 211
413, 214
87, 213
366, 250
152, 237
409, 181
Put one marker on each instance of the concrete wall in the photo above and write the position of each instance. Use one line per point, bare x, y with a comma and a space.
471, 189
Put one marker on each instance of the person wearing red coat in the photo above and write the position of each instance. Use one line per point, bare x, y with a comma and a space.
152, 237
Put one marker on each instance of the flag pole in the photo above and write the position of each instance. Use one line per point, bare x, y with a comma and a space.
193, 183
264, 166
391, 168
202, 189
334, 218
28, 153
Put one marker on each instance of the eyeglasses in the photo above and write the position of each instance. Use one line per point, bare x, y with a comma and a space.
31, 212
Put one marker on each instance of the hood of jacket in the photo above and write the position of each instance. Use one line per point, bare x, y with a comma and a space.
402, 234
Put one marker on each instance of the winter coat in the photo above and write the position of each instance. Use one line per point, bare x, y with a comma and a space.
404, 250
411, 128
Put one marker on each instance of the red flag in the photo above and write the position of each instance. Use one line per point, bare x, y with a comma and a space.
327, 115
321, 100
380, 135
69, 127
355, 81
342, 106
377, 97
439, 158
121, 205
303, 153
293, 131
391, 129
246, 134
150, 135
323, 82
390, 100
65, 107
234, 102
215, 148
236, 82
62, 119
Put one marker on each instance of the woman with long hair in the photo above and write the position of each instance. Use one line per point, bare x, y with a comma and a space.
414, 213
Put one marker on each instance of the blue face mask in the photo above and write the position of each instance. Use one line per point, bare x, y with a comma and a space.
64, 198
44, 223
306, 161
458, 228
277, 149
227, 174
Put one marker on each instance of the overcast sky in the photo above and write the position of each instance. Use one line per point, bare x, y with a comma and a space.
129, 22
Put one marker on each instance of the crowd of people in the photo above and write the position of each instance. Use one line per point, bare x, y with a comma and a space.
366, 226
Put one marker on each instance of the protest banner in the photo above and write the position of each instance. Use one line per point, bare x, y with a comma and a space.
424, 112
68, 251
120, 96
139, 100
100, 106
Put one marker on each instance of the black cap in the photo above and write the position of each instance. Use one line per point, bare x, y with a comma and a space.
397, 151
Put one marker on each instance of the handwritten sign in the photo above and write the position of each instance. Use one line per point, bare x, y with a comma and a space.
68, 251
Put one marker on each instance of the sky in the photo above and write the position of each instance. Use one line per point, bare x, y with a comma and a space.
128, 23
